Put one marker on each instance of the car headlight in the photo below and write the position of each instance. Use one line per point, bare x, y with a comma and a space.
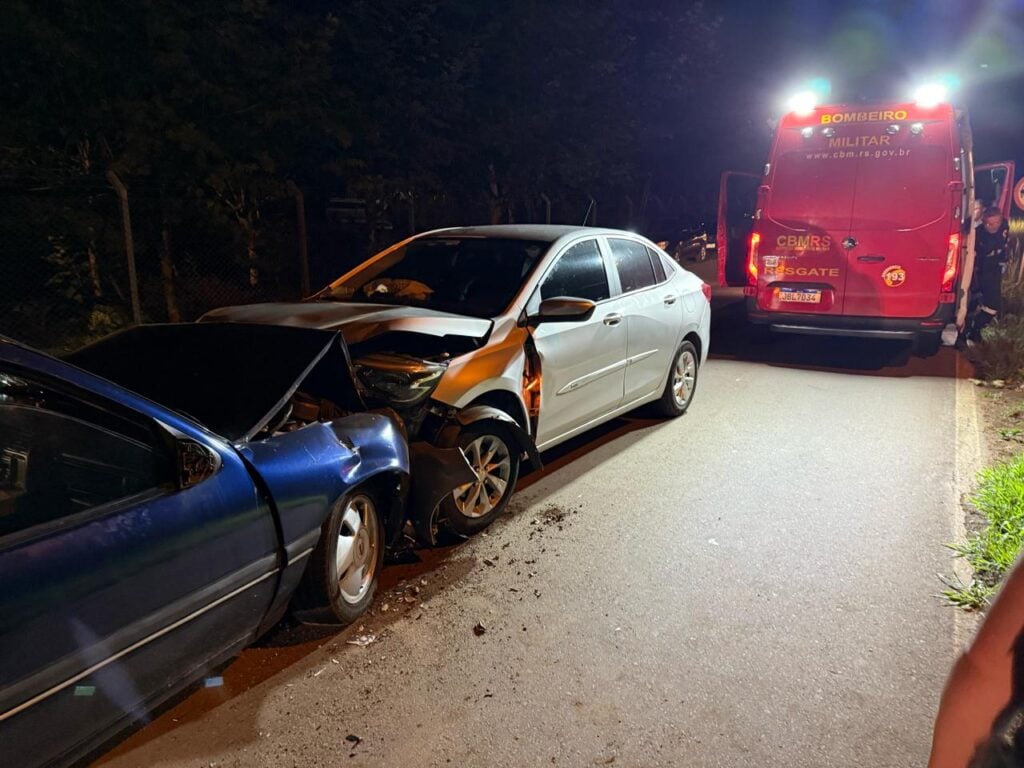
398, 379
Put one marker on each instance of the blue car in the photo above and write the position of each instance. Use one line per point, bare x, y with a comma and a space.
166, 495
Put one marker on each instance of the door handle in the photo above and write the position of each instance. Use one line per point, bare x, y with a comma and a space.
871, 258
612, 319
670, 300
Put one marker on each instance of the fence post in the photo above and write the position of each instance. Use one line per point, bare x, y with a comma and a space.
547, 207
300, 217
129, 244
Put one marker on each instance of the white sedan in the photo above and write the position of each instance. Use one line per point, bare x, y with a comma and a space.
508, 340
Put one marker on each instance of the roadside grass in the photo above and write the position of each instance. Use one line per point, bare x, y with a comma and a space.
992, 550
996, 523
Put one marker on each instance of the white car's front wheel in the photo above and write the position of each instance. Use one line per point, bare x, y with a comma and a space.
494, 457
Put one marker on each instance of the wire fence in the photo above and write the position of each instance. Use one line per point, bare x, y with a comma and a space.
84, 259
76, 267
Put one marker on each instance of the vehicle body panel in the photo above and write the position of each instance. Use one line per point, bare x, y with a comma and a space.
583, 363
107, 611
857, 221
584, 367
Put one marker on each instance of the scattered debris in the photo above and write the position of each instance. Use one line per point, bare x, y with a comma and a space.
213, 682
536, 593
553, 514
999, 383
362, 640
479, 629
488, 562
353, 739
423, 582
385, 608
335, 661
319, 672
512, 589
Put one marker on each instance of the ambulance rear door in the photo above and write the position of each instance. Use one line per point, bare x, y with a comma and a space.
905, 221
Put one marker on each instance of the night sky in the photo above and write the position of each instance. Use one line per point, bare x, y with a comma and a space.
872, 50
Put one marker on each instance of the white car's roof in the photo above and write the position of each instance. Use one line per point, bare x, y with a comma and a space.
544, 232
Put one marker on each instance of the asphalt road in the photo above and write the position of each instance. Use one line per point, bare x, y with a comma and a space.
751, 584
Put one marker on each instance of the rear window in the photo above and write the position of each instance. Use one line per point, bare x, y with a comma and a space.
900, 185
659, 268
902, 192
633, 263
812, 189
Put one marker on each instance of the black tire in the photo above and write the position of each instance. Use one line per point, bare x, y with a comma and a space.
485, 435
681, 384
759, 334
927, 344
323, 597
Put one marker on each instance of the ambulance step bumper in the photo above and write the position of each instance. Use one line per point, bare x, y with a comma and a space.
864, 333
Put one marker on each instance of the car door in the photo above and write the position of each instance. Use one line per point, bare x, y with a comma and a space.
737, 198
904, 210
132, 552
582, 362
653, 316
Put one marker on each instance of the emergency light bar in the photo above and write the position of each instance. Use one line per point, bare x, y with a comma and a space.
931, 95
803, 103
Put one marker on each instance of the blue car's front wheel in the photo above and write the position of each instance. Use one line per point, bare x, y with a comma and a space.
341, 579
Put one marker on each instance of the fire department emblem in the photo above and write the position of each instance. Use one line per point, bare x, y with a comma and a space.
894, 276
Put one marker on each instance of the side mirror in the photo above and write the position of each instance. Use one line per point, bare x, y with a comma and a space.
563, 309
193, 461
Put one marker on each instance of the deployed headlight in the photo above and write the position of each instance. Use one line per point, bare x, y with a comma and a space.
398, 379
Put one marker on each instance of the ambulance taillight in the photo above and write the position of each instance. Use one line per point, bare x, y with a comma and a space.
755, 241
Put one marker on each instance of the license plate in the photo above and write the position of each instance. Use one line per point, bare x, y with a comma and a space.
809, 296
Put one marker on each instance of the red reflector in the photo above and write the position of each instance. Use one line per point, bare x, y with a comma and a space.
952, 262
750, 290
706, 289
931, 323
947, 298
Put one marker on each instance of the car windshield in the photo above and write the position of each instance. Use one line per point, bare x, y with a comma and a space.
466, 276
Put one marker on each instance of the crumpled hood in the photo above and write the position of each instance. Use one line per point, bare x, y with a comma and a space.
357, 322
220, 375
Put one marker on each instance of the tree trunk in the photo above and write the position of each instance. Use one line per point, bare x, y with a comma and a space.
250, 250
497, 209
94, 272
167, 273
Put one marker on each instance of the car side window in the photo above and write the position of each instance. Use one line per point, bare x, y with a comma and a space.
578, 273
633, 264
659, 268
61, 455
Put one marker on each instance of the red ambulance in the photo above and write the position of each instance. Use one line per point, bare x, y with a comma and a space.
855, 227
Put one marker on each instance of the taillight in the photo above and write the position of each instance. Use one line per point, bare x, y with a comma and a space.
706, 290
755, 240
952, 262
